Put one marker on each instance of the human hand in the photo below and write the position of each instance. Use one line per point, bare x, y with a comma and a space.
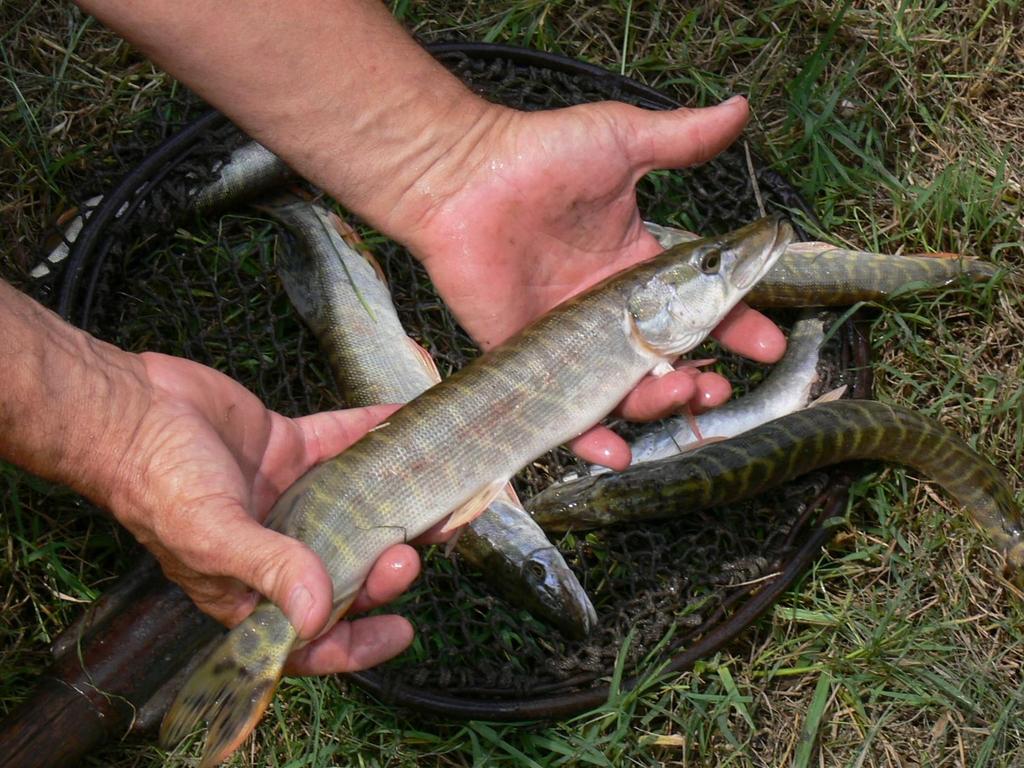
543, 206
204, 466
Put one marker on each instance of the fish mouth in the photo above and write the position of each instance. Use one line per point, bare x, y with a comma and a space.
759, 246
561, 599
581, 619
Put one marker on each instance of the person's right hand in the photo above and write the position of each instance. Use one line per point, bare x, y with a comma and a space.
536, 207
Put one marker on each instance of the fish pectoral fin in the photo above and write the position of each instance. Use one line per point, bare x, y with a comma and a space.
472, 509
691, 420
428, 362
510, 495
344, 230
348, 233
449, 546
680, 364
701, 442
663, 367
828, 397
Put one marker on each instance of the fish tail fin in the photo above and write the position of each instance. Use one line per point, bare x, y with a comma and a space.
232, 688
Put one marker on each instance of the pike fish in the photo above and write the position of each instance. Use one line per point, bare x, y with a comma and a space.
449, 451
818, 274
769, 455
248, 171
347, 304
786, 388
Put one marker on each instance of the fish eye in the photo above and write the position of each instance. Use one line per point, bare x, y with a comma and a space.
710, 262
536, 569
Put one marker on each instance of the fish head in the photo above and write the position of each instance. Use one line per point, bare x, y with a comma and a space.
556, 594
694, 285
1013, 568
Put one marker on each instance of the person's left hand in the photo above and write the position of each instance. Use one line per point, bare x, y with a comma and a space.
542, 206
200, 470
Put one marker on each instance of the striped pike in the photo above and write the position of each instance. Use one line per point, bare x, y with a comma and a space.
769, 455
822, 275
449, 451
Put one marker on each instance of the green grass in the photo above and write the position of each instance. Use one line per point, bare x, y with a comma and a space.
904, 124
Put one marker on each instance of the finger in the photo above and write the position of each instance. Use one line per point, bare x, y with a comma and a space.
226, 541
655, 397
712, 391
392, 574
298, 444
435, 534
353, 646
599, 445
329, 433
225, 599
749, 333
683, 137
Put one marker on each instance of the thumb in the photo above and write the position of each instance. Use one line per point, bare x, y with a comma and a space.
328, 433
683, 137
282, 569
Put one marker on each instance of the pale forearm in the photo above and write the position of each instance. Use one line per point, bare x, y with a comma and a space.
336, 87
68, 403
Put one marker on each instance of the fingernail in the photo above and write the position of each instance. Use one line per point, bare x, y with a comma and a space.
300, 603
737, 97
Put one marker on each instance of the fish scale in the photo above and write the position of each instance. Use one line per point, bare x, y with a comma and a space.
468, 435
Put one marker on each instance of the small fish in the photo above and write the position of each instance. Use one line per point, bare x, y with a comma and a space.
787, 388
790, 446
347, 304
822, 275
450, 451
250, 170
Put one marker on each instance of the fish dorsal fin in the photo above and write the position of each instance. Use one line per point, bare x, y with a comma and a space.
472, 509
940, 255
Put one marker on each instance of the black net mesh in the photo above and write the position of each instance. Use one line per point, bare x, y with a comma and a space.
656, 587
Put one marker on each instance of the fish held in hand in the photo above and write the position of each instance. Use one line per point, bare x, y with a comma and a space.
787, 388
461, 440
345, 301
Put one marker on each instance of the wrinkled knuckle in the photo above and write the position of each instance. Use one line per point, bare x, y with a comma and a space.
269, 567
